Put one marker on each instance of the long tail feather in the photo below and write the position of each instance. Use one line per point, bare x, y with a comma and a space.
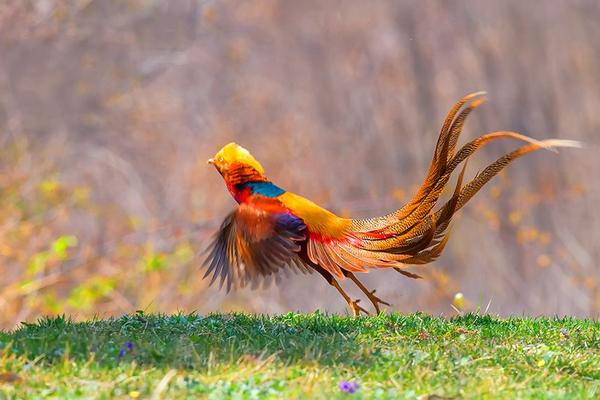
448, 136
493, 169
415, 234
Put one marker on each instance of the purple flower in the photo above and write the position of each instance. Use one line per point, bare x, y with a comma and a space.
348, 387
127, 347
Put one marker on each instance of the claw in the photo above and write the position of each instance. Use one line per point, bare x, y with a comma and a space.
376, 301
356, 309
370, 294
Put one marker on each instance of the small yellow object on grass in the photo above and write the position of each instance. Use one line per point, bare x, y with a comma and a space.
459, 300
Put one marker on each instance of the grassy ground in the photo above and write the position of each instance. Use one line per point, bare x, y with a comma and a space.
296, 356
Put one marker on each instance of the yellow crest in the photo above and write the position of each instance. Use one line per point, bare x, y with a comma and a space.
234, 153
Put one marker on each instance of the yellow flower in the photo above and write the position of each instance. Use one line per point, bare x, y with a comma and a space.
541, 363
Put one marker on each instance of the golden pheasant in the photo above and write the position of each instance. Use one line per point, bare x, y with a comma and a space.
273, 230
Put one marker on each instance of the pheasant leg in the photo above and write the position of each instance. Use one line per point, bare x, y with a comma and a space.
353, 304
370, 294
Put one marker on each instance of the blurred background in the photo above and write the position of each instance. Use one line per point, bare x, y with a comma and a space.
109, 110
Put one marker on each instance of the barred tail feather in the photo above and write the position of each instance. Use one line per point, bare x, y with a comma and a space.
493, 169
415, 234
447, 139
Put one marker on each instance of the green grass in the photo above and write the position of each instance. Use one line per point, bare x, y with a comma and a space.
296, 356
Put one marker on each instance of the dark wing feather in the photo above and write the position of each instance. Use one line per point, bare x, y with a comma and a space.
254, 243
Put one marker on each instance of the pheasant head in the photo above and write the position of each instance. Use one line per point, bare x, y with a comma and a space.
237, 165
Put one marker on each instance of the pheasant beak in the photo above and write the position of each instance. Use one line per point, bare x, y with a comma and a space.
210, 161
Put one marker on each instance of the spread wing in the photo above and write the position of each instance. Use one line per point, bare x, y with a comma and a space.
255, 242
